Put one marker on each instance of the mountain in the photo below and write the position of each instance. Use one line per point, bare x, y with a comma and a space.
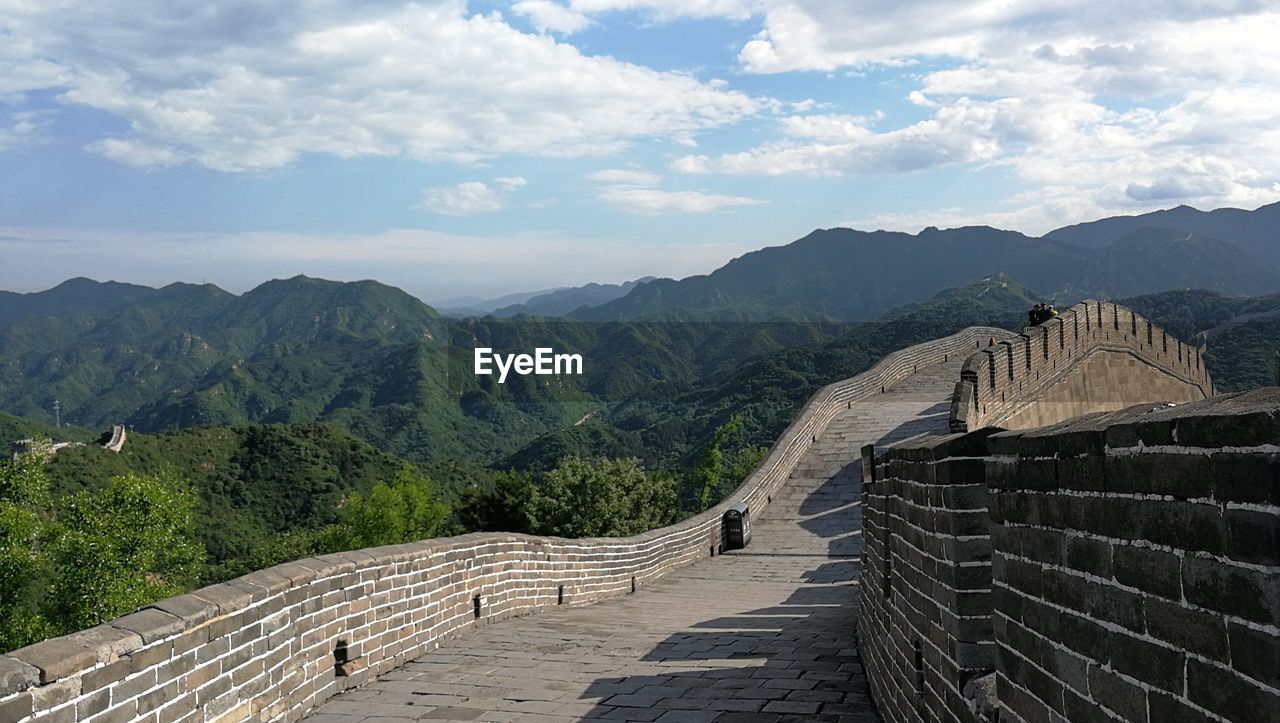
1241, 334
363, 356
767, 389
74, 296
1256, 232
850, 275
464, 306
1150, 259
563, 301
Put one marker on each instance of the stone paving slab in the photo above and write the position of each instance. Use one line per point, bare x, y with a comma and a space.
763, 634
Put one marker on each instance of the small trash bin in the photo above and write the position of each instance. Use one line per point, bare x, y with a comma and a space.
737, 527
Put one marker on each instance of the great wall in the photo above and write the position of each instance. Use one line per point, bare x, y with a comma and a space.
1019, 562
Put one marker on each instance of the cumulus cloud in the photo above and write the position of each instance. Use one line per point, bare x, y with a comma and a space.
1127, 107
546, 15
510, 183
463, 199
246, 85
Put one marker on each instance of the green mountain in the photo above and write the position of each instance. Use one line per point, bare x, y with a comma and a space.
767, 390
1256, 232
842, 274
1241, 334
562, 301
363, 356
1148, 260
74, 296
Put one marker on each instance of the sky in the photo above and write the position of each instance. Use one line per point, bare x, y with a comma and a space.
479, 148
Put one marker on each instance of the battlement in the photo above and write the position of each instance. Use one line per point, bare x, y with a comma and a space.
1083, 361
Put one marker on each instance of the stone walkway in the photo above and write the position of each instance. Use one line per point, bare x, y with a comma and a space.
764, 634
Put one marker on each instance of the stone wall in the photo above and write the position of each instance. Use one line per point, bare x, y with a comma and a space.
270, 645
1096, 356
1134, 569
924, 621
1137, 565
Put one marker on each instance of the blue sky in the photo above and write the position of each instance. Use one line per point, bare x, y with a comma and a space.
456, 148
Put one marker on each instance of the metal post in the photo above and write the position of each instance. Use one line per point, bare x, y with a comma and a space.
57, 414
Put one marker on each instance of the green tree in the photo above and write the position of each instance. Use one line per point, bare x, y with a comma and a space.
603, 498
24, 565
503, 506
710, 468
406, 510
121, 547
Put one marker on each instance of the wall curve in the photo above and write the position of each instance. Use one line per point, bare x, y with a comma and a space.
274, 643
1097, 356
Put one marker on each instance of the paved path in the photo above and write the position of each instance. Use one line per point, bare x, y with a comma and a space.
765, 634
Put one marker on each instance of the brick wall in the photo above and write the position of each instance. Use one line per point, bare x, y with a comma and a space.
1043, 375
262, 647
1134, 569
1137, 565
924, 620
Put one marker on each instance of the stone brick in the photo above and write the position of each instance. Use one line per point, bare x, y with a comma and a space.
108, 641
1253, 536
1152, 571
1228, 695
1255, 653
1196, 631
1119, 695
56, 658
191, 609
1183, 525
1166, 708
1239, 591
1152, 664
16, 675
92, 704
17, 707
1246, 477
1088, 555
1178, 475
1114, 605
151, 624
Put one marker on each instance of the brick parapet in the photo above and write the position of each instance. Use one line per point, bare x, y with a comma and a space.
924, 623
1134, 569
998, 381
262, 646
1136, 564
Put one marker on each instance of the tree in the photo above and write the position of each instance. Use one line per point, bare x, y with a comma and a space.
406, 510
122, 547
710, 467
603, 498
503, 506
25, 529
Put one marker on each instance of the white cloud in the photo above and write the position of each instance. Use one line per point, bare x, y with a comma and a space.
463, 199
635, 191
672, 9
546, 15
1117, 108
652, 201
510, 183
253, 85
625, 176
